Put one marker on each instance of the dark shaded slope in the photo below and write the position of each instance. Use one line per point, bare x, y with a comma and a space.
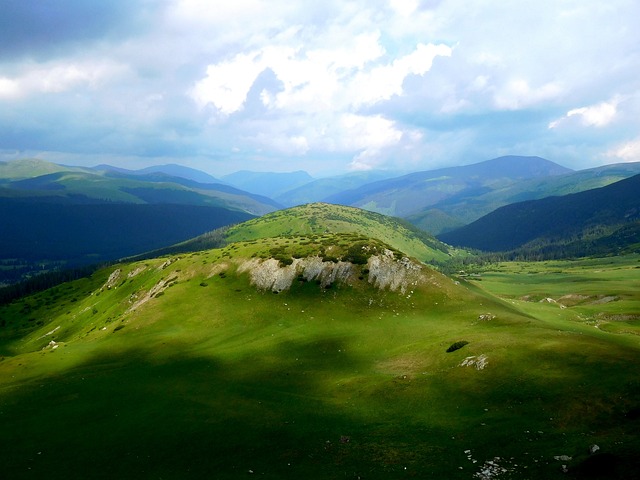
36, 232
570, 218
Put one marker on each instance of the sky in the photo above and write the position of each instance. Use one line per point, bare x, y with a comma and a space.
328, 87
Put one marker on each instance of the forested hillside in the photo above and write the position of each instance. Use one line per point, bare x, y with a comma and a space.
602, 220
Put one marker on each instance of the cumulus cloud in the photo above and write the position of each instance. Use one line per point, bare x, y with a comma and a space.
322, 87
334, 85
598, 115
316, 79
517, 94
57, 77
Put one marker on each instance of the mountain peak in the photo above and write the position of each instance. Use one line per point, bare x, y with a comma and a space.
518, 166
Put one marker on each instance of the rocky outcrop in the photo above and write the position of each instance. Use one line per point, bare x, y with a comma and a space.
270, 275
385, 272
112, 280
480, 362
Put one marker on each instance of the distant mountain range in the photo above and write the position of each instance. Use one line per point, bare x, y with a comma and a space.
54, 216
599, 221
322, 188
445, 199
52, 212
154, 185
269, 184
409, 194
466, 210
171, 170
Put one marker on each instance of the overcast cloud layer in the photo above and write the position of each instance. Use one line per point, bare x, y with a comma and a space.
326, 87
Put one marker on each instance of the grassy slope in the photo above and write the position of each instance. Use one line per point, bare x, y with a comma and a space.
215, 379
318, 218
28, 168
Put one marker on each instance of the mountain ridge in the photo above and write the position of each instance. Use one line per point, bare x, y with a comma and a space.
556, 219
415, 192
62, 217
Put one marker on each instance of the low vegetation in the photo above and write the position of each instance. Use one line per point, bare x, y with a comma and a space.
179, 367
323, 218
457, 346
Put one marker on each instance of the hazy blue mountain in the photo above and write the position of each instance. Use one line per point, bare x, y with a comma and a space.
171, 170
416, 192
577, 222
270, 184
322, 188
454, 212
123, 186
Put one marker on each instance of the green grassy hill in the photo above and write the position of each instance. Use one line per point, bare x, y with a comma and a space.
318, 355
29, 168
320, 218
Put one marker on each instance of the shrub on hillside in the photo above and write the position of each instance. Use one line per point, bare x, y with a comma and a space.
456, 346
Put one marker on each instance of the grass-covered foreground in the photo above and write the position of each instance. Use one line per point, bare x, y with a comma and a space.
179, 368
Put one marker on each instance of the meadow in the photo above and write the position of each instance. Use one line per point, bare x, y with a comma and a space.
178, 367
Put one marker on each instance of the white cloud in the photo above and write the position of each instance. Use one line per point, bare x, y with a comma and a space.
339, 81
322, 90
58, 77
384, 81
227, 83
404, 7
316, 79
598, 115
363, 132
9, 88
518, 93
627, 152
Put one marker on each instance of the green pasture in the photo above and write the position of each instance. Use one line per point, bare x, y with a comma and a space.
602, 293
321, 218
178, 368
